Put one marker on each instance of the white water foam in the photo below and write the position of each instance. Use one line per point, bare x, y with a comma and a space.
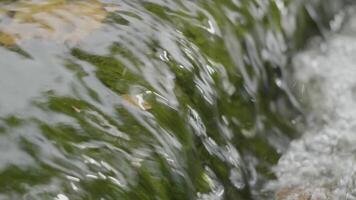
322, 163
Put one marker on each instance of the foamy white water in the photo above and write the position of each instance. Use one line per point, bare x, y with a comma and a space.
322, 163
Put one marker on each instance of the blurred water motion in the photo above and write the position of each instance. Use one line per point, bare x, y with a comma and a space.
150, 99
321, 164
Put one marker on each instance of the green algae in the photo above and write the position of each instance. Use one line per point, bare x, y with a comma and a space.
180, 150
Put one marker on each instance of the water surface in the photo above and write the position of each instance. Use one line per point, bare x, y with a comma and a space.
148, 99
322, 161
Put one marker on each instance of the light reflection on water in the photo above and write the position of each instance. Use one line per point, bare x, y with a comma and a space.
144, 99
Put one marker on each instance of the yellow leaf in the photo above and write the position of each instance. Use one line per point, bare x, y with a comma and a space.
6, 39
137, 101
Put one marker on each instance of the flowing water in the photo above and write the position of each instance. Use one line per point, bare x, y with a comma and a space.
156, 99
321, 164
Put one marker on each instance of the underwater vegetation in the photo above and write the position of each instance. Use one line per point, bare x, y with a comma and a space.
148, 99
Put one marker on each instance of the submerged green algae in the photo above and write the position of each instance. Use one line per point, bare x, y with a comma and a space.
219, 117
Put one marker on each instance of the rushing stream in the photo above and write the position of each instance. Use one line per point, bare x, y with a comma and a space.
322, 163
178, 99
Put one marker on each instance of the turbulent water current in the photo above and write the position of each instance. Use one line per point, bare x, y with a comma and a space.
321, 164
176, 99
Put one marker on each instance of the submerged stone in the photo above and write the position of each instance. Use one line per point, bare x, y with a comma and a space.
57, 20
302, 194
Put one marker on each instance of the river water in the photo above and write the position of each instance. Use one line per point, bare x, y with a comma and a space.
321, 164
181, 99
